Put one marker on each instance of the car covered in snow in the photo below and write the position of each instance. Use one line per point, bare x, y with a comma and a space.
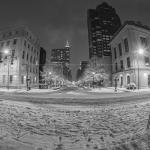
131, 86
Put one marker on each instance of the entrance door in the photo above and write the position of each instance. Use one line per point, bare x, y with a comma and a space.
148, 80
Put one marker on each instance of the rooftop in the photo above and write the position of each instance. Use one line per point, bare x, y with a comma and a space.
133, 23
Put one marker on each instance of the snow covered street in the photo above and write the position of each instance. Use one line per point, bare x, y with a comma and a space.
73, 127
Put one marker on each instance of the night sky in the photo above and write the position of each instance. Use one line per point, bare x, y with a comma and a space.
55, 21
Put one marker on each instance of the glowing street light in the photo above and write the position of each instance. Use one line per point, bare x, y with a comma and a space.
6, 51
140, 51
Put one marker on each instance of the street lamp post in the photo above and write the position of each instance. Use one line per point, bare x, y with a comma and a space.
27, 79
93, 78
116, 80
8, 61
50, 78
7, 53
140, 52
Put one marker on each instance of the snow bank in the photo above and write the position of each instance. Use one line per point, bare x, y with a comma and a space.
73, 127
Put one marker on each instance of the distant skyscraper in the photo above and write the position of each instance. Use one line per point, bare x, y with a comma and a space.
61, 55
103, 22
42, 61
81, 70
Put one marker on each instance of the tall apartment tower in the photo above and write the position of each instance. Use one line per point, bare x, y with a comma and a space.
61, 55
42, 62
60, 58
103, 22
19, 58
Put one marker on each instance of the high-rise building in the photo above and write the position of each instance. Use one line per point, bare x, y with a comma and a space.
42, 62
61, 55
60, 61
103, 22
19, 54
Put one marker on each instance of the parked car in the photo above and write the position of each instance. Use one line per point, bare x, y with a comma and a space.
131, 86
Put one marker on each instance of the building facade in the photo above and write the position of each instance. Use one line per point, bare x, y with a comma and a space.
80, 72
19, 54
103, 22
130, 48
60, 61
42, 62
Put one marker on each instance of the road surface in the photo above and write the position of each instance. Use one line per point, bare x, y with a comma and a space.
74, 95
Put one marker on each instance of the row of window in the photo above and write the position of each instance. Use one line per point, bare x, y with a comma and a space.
15, 33
27, 45
2, 57
23, 79
9, 42
122, 64
10, 79
9, 34
146, 59
143, 41
121, 80
31, 59
32, 79
126, 47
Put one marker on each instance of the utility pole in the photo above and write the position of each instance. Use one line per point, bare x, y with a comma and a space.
8, 61
27, 79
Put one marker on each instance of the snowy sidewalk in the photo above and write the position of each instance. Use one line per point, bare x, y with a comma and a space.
25, 91
119, 90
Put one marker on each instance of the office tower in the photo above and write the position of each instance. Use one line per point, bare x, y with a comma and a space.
103, 22
60, 60
42, 62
